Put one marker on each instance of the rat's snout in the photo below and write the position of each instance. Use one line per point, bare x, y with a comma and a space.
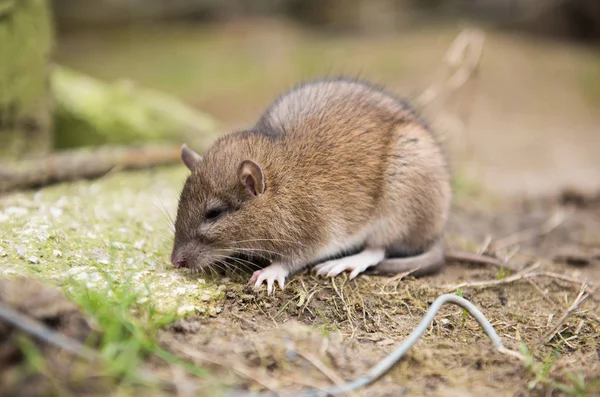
189, 255
180, 257
179, 261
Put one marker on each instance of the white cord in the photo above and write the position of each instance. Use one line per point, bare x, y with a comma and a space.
388, 362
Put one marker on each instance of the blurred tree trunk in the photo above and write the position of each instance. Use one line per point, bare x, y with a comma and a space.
25, 44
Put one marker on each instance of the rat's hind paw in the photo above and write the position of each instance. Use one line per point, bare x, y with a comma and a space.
270, 274
356, 263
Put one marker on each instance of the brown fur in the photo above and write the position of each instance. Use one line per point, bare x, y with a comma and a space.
345, 165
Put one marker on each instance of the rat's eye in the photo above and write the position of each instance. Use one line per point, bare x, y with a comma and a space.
214, 213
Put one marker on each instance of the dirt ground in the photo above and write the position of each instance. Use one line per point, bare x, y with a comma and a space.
320, 332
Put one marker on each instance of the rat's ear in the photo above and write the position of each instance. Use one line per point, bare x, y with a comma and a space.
189, 157
251, 176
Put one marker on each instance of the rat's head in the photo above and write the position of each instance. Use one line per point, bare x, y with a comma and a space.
218, 208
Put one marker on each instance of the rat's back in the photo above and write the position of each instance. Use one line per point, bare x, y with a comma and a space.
342, 103
364, 158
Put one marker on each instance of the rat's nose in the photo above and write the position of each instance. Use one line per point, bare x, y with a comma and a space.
179, 261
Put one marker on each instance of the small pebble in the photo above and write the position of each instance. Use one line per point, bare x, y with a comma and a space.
205, 297
33, 259
2, 252
57, 253
21, 251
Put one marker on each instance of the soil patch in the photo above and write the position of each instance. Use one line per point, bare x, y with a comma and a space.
318, 332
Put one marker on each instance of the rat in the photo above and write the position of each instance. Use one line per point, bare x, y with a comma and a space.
337, 174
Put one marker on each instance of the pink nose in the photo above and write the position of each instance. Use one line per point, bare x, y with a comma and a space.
179, 261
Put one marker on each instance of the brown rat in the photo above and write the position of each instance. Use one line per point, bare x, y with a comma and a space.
332, 167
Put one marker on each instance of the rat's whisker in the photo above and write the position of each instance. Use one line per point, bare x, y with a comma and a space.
250, 256
251, 266
228, 267
236, 270
255, 251
211, 267
267, 239
165, 209
220, 265
167, 236
244, 263
165, 214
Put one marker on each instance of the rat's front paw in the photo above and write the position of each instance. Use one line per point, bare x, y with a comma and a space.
270, 274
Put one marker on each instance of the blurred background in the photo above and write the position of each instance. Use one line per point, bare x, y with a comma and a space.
528, 122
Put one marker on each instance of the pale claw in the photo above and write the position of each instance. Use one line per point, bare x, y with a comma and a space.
355, 273
275, 272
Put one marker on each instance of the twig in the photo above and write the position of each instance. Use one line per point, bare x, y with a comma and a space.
511, 254
579, 326
552, 223
562, 277
542, 293
309, 297
526, 273
44, 333
83, 163
485, 245
463, 256
581, 298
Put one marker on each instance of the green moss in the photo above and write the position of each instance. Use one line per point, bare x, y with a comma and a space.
25, 43
76, 234
90, 112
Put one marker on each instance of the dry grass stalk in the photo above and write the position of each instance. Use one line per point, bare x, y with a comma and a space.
459, 62
583, 295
